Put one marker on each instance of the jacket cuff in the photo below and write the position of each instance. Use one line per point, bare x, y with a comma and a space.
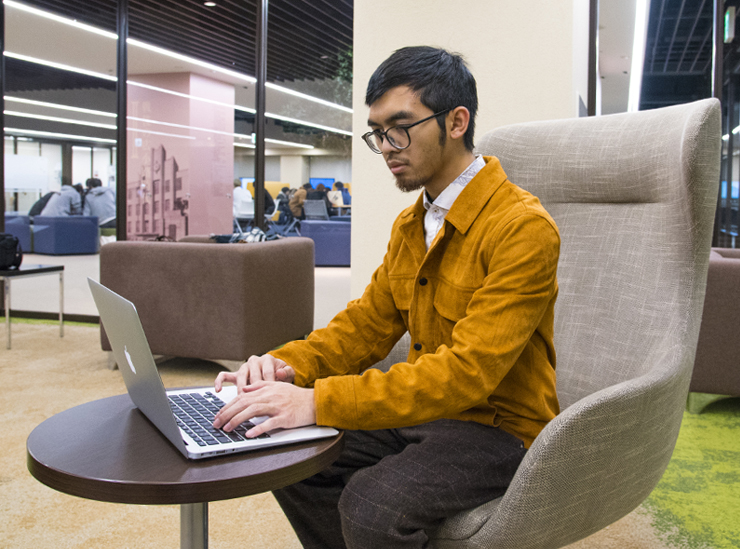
336, 406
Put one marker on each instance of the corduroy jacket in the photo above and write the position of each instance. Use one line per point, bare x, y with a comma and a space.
479, 307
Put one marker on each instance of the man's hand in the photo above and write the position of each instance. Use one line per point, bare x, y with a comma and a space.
257, 368
286, 405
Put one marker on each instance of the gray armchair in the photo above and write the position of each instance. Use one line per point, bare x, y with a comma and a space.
634, 197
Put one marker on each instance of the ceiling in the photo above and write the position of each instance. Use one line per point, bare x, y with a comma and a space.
307, 39
678, 53
310, 43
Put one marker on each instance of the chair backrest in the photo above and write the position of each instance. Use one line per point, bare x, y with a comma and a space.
632, 195
315, 209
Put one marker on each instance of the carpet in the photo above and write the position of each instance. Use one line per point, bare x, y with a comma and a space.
695, 505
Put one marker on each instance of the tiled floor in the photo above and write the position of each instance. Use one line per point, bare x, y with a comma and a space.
332, 288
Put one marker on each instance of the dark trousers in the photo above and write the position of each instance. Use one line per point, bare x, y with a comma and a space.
389, 486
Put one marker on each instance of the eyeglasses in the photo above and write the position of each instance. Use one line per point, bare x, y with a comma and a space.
398, 136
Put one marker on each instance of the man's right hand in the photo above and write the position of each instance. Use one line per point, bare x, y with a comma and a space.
257, 368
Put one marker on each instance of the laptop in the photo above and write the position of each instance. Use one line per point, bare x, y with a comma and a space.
183, 416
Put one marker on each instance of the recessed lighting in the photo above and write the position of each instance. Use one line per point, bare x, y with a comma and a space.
209, 4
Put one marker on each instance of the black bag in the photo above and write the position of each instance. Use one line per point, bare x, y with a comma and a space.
11, 254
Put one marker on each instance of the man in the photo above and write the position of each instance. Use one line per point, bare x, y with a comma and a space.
101, 202
66, 202
470, 274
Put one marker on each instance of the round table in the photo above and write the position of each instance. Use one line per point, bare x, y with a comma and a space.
107, 450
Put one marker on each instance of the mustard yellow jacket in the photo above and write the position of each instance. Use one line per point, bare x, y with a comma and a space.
478, 307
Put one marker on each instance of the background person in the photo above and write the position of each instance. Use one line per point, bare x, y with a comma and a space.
66, 202
297, 200
470, 273
101, 202
243, 201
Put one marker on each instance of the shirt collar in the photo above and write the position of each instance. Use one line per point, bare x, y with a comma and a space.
447, 197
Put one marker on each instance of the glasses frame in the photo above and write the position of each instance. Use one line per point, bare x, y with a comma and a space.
369, 137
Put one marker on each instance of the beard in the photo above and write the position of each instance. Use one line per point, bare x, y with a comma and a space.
408, 185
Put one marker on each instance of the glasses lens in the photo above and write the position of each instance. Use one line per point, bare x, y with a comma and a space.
373, 141
398, 137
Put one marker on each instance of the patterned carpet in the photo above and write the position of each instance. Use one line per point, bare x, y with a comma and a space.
695, 506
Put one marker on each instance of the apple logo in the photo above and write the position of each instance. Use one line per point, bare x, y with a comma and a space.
128, 358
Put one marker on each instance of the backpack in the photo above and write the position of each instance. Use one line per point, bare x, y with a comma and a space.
11, 254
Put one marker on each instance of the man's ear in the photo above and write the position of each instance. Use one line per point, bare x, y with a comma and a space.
458, 121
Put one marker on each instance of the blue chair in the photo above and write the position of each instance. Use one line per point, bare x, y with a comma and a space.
66, 235
19, 226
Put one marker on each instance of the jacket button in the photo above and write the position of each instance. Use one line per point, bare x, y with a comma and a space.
423, 281
417, 346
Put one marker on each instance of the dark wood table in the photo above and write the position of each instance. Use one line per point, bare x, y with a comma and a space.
24, 271
107, 450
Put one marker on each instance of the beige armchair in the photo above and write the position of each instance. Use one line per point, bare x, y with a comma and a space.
221, 302
634, 197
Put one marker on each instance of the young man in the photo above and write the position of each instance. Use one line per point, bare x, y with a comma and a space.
470, 274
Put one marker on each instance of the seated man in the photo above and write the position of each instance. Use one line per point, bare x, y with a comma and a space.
470, 273
101, 202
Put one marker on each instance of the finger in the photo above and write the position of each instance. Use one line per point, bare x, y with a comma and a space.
242, 375
255, 369
285, 374
222, 378
254, 410
264, 427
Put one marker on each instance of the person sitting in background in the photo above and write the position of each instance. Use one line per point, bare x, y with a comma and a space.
66, 202
283, 201
297, 200
243, 202
101, 202
78, 187
319, 193
346, 197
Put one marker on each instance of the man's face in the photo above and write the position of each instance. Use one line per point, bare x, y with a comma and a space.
416, 166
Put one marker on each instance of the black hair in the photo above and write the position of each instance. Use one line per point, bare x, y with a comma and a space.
93, 182
339, 185
442, 80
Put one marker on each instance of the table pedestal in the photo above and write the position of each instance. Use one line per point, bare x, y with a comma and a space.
194, 526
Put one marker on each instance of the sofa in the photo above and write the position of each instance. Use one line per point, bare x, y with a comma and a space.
19, 225
717, 364
332, 240
220, 302
66, 235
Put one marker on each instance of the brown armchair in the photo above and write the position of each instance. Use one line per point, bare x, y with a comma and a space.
221, 302
717, 365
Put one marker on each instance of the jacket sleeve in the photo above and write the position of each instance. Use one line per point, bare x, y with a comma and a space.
355, 339
498, 322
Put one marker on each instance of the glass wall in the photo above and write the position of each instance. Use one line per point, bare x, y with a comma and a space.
191, 105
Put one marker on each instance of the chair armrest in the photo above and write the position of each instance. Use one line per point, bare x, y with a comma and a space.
611, 430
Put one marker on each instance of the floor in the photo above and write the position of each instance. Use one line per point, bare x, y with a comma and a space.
332, 288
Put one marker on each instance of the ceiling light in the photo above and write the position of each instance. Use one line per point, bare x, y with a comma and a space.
209, 4
57, 119
638, 54
59, 66
59, 135
59, 106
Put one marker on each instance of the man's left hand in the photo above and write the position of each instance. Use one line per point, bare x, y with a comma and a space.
286, 406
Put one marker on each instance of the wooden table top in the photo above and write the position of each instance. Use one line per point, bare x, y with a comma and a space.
107, 450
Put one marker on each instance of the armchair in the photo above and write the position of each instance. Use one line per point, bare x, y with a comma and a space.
717, 366
634, 198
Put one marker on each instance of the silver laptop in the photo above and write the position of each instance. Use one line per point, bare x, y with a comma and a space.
185, 416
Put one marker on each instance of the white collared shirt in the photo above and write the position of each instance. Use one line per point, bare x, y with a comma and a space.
437, 210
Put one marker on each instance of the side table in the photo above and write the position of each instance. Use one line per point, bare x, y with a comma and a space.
122, 458
25, 271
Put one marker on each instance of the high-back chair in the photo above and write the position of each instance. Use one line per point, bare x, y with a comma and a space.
315, 209
634, 197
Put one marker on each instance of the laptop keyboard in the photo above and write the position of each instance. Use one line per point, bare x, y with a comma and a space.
195, 412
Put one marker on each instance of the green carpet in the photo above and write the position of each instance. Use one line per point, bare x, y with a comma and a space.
696, 505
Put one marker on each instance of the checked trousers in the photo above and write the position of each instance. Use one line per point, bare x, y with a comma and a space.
389, 487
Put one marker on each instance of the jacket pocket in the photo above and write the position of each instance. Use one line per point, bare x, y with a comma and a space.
451, 302
402, 289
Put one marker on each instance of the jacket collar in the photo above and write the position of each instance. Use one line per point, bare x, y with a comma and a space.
471, 201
